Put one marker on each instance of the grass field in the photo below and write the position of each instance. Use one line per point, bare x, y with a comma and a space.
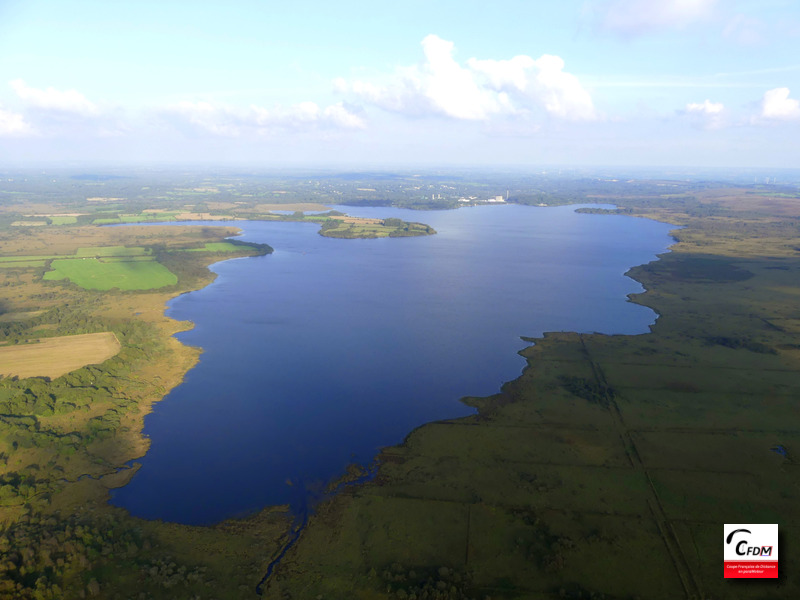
53, 357
109, 254
95, 274
63, 220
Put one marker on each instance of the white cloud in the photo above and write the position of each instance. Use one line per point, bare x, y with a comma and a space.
439, 86
707, 114
541, 81
451, 88
776, 104
705, 108
343, 116
635, 17
308, 114
13, 124
478, 91
227, 121
51, 99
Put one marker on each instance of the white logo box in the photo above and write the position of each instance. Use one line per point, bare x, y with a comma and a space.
751, 542
751, 550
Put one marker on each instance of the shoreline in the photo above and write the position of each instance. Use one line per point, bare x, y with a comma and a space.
188, 356
187, 325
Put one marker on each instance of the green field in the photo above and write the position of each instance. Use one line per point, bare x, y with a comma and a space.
94, 274
108, 253
63, 220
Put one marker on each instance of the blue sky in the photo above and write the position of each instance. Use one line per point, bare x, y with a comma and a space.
355, 84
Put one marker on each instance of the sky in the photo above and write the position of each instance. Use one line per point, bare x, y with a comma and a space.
710, 83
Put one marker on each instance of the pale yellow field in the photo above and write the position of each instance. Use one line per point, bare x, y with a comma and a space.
359, 220
74, 214
53, 357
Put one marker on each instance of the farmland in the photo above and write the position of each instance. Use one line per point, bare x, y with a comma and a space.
53, 357
100, 274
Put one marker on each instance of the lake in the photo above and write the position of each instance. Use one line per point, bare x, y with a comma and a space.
323, 352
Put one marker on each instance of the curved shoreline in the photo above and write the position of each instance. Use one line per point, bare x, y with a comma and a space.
485, 406
190, 356
185, 325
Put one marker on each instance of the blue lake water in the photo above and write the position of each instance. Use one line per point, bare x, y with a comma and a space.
326, 350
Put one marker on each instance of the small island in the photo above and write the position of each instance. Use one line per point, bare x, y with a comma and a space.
359, 227
336, 224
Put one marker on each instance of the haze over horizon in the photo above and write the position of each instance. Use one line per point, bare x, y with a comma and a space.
699, 83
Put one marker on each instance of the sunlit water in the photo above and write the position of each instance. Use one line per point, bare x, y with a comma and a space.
326, 350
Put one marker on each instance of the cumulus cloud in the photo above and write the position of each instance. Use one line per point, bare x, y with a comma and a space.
228, 121
635, 17
542, 81
706, 108
478, 90
51, 99
776, 105
440, 85
707, 114
52, 112
13, 124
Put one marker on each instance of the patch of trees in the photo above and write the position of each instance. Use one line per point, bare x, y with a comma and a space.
16, 488
442, 583
85, 555
330, 224
63, 320
587, 389
261, 249
406, 229
736, 343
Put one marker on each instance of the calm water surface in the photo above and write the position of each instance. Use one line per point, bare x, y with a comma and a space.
326, 350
